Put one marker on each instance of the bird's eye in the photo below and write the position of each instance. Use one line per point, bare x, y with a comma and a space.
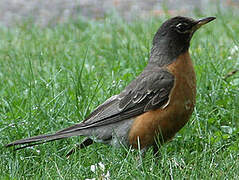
182, 27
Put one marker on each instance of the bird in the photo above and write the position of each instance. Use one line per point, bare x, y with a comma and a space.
153, 107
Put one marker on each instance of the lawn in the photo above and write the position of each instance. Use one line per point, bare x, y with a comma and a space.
52, 77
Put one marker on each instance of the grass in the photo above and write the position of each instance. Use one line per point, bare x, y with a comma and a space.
53, 77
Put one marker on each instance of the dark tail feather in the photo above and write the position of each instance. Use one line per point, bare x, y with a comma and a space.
42, 139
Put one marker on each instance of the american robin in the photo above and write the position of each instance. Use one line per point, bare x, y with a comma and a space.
154, 106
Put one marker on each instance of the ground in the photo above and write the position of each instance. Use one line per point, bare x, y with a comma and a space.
55, 11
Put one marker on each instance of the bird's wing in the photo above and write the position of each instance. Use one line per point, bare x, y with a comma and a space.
149, 91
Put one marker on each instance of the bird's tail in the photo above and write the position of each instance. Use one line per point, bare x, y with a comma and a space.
35, 140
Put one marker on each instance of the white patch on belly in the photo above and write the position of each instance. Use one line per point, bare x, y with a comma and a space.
188, 104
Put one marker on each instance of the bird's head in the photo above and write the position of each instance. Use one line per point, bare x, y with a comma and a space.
174, 35
180, 28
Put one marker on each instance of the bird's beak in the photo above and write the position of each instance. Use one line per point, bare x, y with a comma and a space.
203, 21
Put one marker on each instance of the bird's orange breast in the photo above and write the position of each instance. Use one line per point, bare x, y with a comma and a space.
169, 120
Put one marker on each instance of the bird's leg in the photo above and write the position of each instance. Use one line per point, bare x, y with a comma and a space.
155, 149
86, 142
73, 150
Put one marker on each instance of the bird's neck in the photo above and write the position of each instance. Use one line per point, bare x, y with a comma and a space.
165, 52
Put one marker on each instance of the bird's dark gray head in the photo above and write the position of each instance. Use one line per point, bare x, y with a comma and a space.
173, 37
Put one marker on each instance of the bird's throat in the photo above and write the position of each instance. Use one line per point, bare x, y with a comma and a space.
165, 51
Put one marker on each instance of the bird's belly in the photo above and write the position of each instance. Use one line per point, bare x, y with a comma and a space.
164, 123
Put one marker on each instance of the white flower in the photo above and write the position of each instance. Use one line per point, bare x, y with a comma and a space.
107, 176
93, 168
101, 168
234, 49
